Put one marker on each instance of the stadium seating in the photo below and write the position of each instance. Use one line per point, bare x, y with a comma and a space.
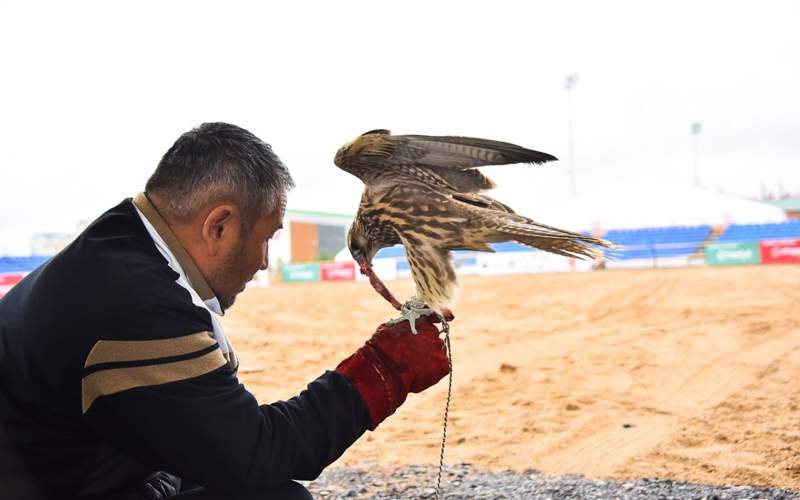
21, 264
758, 232
654, 242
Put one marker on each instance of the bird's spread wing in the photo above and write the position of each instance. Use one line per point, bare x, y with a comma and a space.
482, 201
436, 160
464, 152
430, 267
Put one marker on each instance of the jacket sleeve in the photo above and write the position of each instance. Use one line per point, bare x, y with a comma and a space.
210, 430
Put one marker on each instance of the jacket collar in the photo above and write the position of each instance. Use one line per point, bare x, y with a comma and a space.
193, 274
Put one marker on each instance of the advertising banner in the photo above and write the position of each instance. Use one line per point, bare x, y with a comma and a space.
294, 273
8, 280
338, 271
780, 251
727, 254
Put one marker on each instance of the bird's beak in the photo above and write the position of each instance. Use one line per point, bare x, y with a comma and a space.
364, 264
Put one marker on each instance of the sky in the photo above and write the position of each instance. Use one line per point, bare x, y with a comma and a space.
93, 93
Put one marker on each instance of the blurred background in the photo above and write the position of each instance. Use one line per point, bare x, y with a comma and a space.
673, 123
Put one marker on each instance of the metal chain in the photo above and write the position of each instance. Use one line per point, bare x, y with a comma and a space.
446, 330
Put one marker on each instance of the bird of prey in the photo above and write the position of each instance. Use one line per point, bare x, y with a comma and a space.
426, 193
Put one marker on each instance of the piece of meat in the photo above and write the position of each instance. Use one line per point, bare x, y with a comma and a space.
378, 285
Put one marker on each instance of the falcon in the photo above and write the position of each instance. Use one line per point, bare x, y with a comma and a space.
426, 193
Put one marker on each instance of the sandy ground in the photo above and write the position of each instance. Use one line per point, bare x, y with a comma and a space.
688, 374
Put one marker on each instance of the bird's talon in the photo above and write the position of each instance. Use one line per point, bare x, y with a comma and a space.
411, 311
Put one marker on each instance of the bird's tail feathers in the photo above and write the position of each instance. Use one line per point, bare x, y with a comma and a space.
567, 248
554, 240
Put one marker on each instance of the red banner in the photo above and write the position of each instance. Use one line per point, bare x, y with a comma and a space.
780, 251
337, 271
11, 278
7, 280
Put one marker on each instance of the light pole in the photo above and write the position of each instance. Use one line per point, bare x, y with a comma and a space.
697, 127
569, 84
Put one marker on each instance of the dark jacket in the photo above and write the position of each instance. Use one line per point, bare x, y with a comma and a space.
108, 372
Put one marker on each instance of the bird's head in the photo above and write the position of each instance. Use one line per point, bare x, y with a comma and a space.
360, 247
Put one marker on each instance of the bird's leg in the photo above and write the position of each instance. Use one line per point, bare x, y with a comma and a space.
377, 284
411, 311
447, 314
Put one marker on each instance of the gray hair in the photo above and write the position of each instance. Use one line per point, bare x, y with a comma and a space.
219, 161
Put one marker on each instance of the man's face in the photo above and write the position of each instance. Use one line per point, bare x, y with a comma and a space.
239, 265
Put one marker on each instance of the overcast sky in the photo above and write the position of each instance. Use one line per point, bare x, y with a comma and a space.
93, 93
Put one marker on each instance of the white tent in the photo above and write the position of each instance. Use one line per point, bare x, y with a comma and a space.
343, 256
654, 202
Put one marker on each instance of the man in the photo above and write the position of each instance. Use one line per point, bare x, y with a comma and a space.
116, 378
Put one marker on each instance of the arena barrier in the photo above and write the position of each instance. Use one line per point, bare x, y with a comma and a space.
780, 251
735, 253
532, 262
337, 271
8, 280
295, 273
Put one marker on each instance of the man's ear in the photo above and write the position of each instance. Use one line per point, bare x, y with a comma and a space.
220, 228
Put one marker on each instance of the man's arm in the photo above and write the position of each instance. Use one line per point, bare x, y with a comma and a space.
210, 430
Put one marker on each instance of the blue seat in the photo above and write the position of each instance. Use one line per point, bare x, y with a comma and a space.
756, 232
26, 264
651, 242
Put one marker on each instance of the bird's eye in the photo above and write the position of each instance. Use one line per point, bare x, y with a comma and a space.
356, 250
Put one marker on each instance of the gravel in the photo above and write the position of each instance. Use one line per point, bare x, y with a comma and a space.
463, 481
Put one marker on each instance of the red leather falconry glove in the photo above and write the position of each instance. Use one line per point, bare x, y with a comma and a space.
395, 362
